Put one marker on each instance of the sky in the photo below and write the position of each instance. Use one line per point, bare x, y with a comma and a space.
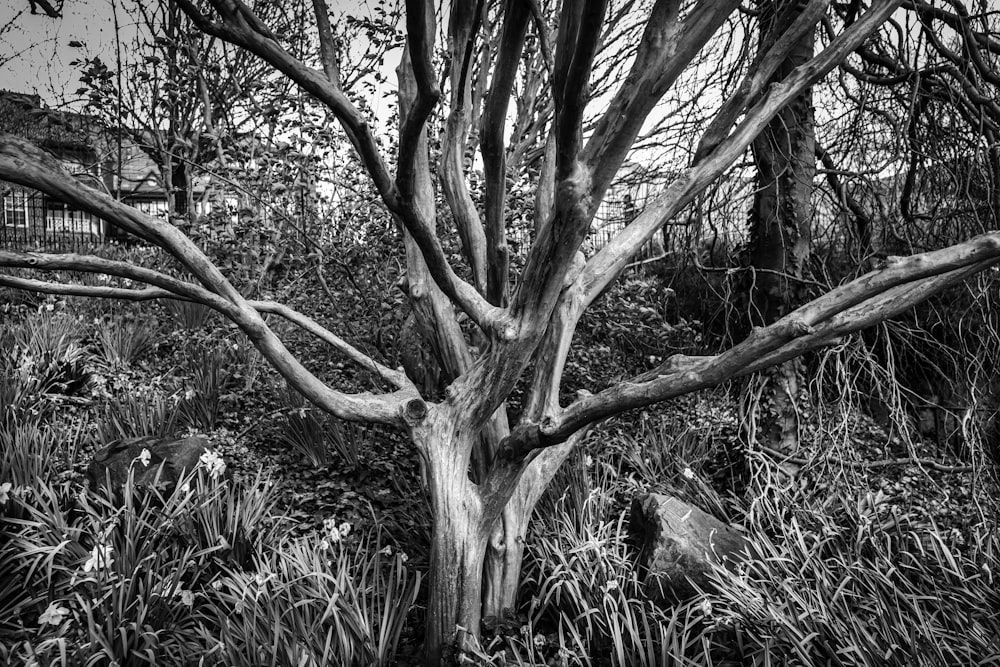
35, 50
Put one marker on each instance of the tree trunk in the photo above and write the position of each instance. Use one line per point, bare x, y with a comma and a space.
781, 218
505, 552
180, 189
458, 539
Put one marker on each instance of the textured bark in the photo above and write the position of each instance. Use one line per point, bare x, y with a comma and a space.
458, 540
781, 219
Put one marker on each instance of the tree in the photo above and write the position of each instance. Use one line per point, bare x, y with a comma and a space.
484, 474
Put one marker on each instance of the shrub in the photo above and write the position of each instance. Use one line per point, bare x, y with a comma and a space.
123, 341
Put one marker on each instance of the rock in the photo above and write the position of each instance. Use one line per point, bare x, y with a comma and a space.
172, 455
678, 542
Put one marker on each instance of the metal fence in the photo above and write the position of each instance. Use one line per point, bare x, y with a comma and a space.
34, 221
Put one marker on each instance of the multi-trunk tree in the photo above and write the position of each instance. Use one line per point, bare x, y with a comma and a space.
494, 329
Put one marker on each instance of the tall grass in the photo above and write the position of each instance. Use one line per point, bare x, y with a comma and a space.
851, 585
316, 435
123, 341
200, 400
188, 315
584, 600
835, 578
135, 416
311, 603
207, 575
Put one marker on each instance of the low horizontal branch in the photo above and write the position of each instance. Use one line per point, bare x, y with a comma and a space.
363, 406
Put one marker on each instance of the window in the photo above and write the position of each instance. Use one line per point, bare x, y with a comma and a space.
60, 217
15, 209
152, 207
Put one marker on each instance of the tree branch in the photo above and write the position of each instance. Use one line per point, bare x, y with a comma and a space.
494, 152
579, 37
608, 263
316, 83
327, 42
235, 31
395, 378
760, 74
356, 407
464, 19
665, 49
855, 306
421, 28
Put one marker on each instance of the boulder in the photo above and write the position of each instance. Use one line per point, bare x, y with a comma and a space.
169, 458
678, 543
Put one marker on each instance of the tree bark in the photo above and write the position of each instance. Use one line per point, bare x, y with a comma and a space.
781, 218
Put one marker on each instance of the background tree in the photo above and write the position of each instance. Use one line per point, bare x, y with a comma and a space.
484, 476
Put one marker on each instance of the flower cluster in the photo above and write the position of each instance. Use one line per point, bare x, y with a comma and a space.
334, 532
213, 463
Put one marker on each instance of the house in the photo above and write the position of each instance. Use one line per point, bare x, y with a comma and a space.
104, 158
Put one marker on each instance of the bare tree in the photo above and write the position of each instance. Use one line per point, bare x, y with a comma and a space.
484, 474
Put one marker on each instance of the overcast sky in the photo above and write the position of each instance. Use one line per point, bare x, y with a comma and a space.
35, 51
35, 55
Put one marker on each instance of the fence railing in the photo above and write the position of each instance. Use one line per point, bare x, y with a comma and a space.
34, 221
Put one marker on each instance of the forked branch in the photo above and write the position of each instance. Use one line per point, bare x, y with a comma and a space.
849, 308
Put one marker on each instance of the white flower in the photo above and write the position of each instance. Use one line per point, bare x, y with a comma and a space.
611, 585
216, 585
588, 461
539, 640
324, 544
53, 615
189, 393
144, 456
211, 460
187, 597
49, 307
386, 550
186, 487
100, 556
403, 557
688, 473
705, 607
334, 531
4, 492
